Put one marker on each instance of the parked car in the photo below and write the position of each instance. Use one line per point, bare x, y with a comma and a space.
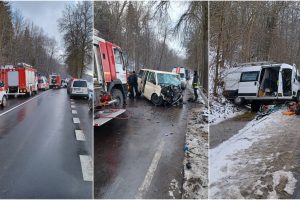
3, 95
43, 83
160, 87
79, 88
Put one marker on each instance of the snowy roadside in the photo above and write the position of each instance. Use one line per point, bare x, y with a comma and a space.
195, 183
221, 109
257, 162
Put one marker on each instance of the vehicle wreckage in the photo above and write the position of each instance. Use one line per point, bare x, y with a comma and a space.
160, 87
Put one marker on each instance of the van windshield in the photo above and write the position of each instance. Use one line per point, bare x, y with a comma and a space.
79, 84
168, 79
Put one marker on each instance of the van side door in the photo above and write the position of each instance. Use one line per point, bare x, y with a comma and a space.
248, 84
150, 85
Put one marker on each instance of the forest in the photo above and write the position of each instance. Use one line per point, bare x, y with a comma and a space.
22, 41
143, 28
253, 31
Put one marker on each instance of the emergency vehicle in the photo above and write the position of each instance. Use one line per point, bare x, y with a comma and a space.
54, 81
19, 80
183, 75
110, 81
43, 83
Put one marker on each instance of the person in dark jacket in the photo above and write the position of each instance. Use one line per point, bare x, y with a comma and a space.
196, 85
133, 84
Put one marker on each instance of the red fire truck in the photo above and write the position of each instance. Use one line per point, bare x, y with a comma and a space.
19, 80
55, 81
110, 81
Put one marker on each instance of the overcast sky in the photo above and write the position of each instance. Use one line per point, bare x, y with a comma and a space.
43, 14
177, 8
46, 13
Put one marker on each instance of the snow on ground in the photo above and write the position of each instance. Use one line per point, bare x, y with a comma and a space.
196, 161
220, 108
258, 161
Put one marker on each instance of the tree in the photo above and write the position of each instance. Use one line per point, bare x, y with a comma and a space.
77, 26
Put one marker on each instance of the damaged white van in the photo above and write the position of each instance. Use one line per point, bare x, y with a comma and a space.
265, 84
160, 87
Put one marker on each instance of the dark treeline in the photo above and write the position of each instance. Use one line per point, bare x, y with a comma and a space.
254, 31
22, 41
142, 29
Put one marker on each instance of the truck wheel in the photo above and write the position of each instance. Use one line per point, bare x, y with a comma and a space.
255, 106
4, 102
238, 101
298, 97
117, 94
156, 100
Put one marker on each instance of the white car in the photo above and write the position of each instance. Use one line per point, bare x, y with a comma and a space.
160, 87
3, 95
79, 88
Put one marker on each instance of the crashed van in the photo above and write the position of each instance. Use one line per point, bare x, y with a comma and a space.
160, 87
264, 84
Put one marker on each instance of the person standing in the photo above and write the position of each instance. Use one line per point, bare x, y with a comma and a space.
135, 84
130, 84
196, 85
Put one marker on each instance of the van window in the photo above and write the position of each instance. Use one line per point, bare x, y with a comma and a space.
79, 84
141, 73
249, 76
181, 75
151, 77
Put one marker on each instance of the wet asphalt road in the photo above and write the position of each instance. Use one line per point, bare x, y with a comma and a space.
39, 153
125, 150
222, 131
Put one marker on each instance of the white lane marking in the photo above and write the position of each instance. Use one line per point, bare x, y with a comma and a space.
79, 135
150, 173
73, 106
22, 104
74, 111
72, 102
86, 167
76, 120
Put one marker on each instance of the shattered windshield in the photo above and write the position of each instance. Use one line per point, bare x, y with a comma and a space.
168, 79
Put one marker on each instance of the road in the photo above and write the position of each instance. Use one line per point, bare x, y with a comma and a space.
39, 152
222, 131
138, 157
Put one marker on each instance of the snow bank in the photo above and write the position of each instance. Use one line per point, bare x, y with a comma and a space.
220, 108
237, 170
195, 184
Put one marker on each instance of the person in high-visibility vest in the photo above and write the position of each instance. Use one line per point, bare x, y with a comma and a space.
195, 85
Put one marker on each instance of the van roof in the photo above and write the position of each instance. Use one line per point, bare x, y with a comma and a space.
158, 71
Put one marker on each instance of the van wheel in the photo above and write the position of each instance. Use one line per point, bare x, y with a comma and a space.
156, 100
255, 106
117, 94
4, 102
238, 101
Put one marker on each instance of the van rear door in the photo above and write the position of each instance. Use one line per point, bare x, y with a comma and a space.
248, 85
